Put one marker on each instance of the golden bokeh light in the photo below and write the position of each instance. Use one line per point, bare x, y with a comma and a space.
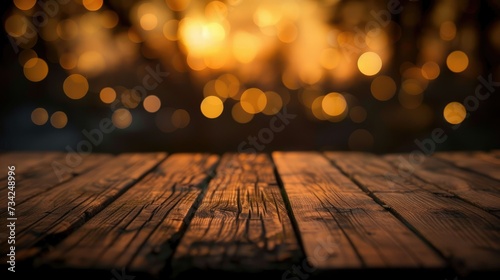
245, 46
39, 116
91, 63
334, 104
212, 107
357, 114
122, 118
149, 21
240, 115
75, 86
26, 55
412, 86
67, 29
430, 70
68, 61
447, 30
59, 119
92, 5
457, 61
152, 103
109, 19
107, 95
274, 103
16, 25
178, 5
216, 11
170, 29
35, 69
317, 108
330, 58
383, 88
454, 113
130, 98
369, 63
253, 100
180, 118
287, 31
24, 4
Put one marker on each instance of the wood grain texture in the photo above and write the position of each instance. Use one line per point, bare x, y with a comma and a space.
479, 162
49, 217
340, 226
137, 230
466, 235
242, 223
38, 178
24, 161
481, 191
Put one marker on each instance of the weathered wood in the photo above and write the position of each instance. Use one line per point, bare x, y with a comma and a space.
47, 218
242, 223
24, 161
478, 162
136, 230
38, 178
477, 189
466, 235
340, 226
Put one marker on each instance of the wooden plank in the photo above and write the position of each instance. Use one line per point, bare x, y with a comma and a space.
466, 235
25, 160
38, 178
59, 211
242, 223
478, 162
477, 189
342, 224
136, 230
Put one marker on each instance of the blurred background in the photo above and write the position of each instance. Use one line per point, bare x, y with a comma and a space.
186, 75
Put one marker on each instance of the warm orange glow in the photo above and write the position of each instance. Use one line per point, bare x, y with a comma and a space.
180, 118
447, 31
334, 104
245, 46
68, 61
16, 25
130, 98
216, 11
152, 103
75, 86
454, 113
149, 21
121, 118
39, 116
430, 70
24, 4
92, 5
412, 86
109, 19
369, 63
457, 61
211, 107
107, 95
59, 119
201, 38
240, 115
274, 103
26, 55
67, 29
383, 88
178, 5
253, 100
330, 58
35, 69
91, 63
170, 29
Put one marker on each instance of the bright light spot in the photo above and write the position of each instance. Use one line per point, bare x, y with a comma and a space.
75, 86
334, 104
227, 85
35, 69
152, 103
240, 115
199, 37
253, 100
430, 70
24, 4
360, 140
447, 31
180, 118
92, 5
245, 46
216, 10
454, 113
287, 31
211, 107
107, 95
121, 118
149, 21
369, 63
330, 58
58, 119
457, 61
274, 103
357, 114
39, 116
383, 88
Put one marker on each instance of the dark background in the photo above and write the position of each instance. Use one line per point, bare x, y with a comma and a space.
393, 127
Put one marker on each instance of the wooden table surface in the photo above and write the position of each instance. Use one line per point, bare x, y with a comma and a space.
285, 215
